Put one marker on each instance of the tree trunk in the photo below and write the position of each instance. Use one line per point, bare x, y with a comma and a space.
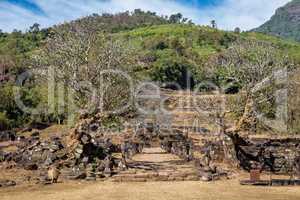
248, 121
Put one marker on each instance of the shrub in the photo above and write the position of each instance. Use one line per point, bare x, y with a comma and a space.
31, 97
173, 71
232, 88
236, 104
205, 86
4, 122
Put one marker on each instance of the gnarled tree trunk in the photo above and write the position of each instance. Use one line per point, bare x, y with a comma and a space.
248, 121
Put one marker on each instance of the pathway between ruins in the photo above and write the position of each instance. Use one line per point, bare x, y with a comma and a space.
187, 112
154, 164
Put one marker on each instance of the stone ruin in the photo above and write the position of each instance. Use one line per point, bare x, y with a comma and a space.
179, 143
87, 153
277, 156
84, 153
281, 156
32, 154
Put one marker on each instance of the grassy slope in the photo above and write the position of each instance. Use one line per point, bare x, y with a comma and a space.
201, 39
290, 47
198, 44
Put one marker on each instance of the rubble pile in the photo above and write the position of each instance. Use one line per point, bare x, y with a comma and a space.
85, 153
32, 154
208, 165
211, 172
131, 147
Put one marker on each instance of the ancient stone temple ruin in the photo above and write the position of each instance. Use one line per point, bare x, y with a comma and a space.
159, 148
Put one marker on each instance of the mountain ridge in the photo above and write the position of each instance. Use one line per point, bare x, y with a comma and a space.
285, 23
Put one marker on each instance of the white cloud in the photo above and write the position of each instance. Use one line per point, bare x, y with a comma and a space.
245, 14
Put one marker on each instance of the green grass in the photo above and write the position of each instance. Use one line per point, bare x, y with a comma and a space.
202, 39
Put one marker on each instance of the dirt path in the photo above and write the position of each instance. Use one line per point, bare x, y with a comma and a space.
155, 155
154, 164
227, 190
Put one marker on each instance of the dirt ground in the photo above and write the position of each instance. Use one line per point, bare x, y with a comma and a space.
225, 190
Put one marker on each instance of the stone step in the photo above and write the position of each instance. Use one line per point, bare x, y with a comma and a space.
154, 164
181, 122
156, 177
194, 129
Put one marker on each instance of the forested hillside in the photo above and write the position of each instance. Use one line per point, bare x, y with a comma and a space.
161, 49
164, 47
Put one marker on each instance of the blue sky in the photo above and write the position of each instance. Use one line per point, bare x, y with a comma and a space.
27, 4
247, 14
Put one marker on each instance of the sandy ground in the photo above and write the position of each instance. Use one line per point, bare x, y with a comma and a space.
223, 190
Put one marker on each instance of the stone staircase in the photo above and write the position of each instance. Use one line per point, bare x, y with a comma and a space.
182, 110
154, 164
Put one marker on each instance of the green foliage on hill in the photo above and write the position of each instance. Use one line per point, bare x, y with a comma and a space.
4, 122
15, 51
168, 51
289, 47
121, 21
18, 44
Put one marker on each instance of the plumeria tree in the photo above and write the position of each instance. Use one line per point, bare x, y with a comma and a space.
93, 65
251, 64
